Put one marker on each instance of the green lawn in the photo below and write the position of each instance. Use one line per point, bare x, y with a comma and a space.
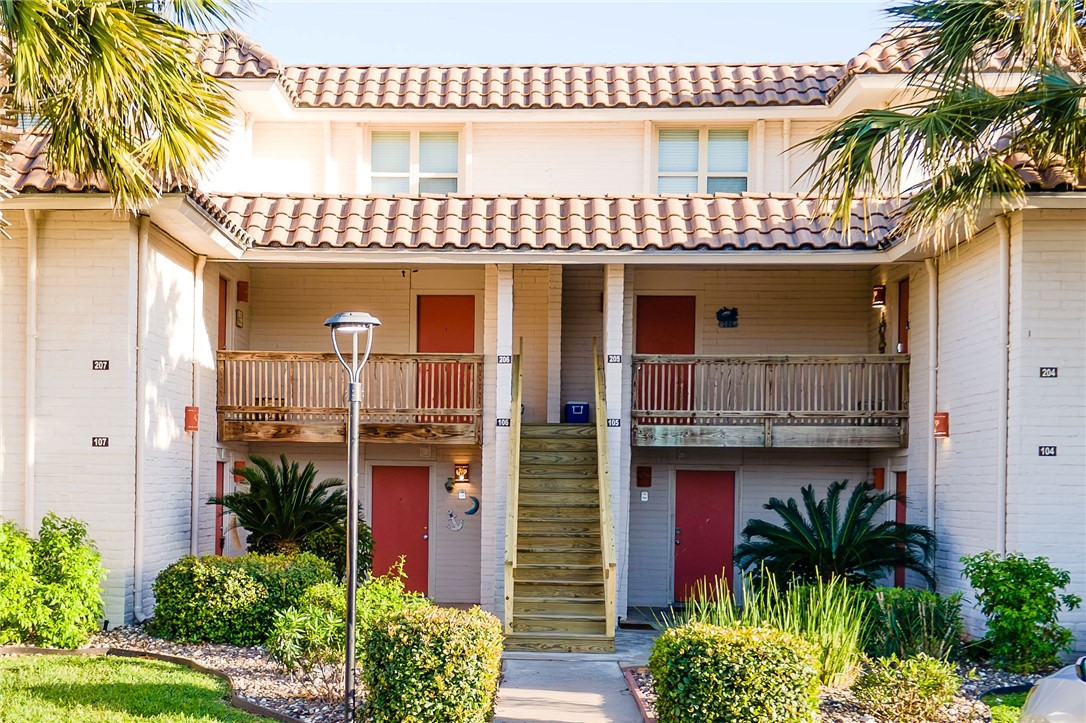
47, 688
1005, 708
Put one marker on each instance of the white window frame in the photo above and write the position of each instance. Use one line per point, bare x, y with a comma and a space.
702, 174
413, 174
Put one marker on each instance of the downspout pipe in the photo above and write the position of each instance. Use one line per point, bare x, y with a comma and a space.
197, 336
933, 382
1002, 439
30, 409
142, 283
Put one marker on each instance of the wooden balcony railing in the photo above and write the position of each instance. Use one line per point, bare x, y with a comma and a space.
771, 401
301, 397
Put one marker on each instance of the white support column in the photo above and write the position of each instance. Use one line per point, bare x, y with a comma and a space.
554, 345
497, 397
617, 348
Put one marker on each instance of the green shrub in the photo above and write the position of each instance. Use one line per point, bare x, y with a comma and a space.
1018, 596
231, 600
905, 622
50, 592
1005, 708
310, 640
913, 690
710, 673
432, 664
330, 544
830, 614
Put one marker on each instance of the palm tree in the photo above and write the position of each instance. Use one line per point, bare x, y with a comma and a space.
829, 542
283, 506
116, 85
968, 139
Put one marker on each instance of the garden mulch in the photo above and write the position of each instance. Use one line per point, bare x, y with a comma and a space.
839, 705
254, 675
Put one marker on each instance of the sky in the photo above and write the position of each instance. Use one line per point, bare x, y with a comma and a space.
314, 32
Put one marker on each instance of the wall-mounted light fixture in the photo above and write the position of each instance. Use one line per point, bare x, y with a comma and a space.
878, 296
941, 425
460, 477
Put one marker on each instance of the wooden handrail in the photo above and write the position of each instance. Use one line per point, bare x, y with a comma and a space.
607, 522
512, 499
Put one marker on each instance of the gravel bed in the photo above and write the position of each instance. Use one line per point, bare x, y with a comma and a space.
837, 705
255, 676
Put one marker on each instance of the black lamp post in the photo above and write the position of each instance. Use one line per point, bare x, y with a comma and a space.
353, 323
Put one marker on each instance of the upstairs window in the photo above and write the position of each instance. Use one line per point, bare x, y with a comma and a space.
414, 162
692, 160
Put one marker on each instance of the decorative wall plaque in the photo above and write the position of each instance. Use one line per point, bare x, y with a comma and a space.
727, 318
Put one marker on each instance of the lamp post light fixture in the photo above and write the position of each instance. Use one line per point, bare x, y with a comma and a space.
353, 323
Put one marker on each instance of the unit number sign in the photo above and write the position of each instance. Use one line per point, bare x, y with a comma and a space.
99, 441
1046, 450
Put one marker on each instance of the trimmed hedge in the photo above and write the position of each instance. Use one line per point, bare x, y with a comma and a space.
50, 592
709, 673
231, 600
906, 622
432, 664
907, 691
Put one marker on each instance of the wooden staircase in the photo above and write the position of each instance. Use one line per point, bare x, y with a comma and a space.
559, 534
558, 583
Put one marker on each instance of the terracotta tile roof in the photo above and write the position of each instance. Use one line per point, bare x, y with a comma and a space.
628, 223
560, 86
234, 55
30, 169
665, 85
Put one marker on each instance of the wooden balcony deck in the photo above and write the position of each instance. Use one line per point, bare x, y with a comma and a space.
771, 401
301, 397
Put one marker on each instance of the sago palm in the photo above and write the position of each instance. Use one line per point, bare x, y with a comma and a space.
967, 136
284, 505
117, 87
827, 539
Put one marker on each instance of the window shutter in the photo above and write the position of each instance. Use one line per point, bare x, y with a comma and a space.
391, 152
678, 150
439, 152
727, 151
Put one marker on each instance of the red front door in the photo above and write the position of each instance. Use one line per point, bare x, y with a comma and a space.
446, 325
704, 528
401, 522
665, 325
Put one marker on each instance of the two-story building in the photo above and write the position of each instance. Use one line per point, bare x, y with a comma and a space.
613, 326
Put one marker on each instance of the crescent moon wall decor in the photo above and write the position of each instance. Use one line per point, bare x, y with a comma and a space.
474, 506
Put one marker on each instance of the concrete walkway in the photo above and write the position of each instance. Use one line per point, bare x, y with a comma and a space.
572, 687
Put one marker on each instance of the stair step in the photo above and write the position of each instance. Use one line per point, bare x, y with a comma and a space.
559, 444
560, 484
527, 605
557, 458
556, 431
554, 513
544, 543
560, 643
559, 588
563, 527
573, 574
540, 623
549, 471
559, 499
560, 557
